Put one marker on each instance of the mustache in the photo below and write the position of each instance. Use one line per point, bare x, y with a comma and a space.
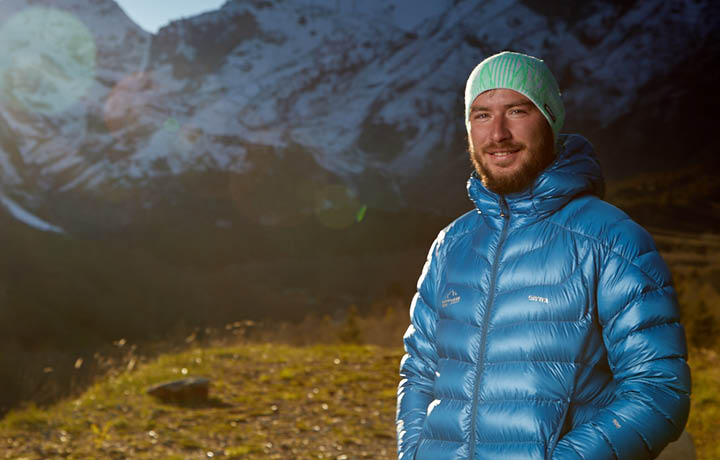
495, 147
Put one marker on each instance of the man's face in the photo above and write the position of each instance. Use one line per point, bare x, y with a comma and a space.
511, 142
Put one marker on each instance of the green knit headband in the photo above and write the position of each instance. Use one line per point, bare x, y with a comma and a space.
522, 73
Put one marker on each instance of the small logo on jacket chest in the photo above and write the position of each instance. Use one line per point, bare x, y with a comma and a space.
451, 298
537, 298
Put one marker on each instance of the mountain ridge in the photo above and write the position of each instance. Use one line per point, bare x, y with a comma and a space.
370, 102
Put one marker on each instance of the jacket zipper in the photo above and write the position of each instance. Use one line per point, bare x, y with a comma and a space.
505, 214
555, 438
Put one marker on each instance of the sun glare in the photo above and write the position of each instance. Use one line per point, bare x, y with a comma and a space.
48, 61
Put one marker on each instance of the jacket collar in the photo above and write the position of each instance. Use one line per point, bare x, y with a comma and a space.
575, 171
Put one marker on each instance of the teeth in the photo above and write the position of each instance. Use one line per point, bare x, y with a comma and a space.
501, 154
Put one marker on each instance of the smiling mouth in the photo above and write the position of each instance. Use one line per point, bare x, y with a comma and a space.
503, 153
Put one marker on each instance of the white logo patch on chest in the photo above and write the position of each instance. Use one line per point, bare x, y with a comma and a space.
451, 298
537, 298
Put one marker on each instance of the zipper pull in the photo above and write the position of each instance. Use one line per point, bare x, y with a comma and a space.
504, 211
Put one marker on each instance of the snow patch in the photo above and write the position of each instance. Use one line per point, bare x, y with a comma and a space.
27, 218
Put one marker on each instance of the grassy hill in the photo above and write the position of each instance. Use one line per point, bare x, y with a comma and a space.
322, 394
267, 401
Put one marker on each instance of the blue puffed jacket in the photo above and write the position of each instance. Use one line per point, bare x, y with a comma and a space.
545, 326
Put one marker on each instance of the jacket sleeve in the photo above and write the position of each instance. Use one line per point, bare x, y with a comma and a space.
646, 348
418, 366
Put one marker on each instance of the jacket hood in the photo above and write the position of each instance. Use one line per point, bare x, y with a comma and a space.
575, 171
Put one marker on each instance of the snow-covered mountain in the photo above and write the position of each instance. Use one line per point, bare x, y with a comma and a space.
94, 106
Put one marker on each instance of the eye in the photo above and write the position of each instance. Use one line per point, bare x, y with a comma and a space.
518, 111
479, 116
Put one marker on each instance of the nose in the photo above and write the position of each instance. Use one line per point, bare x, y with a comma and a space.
499, 130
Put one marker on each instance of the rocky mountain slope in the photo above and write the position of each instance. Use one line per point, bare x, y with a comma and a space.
95, 110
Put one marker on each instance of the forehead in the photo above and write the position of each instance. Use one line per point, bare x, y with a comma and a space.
500, 97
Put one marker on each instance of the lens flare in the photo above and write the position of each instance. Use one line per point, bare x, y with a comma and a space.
171, 125
337, 207
127, 101
361, 214
47, 62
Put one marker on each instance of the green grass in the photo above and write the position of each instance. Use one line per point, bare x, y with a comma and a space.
305, 401
704, 423
267, 402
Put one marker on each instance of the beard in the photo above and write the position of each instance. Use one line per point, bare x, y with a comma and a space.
541, 155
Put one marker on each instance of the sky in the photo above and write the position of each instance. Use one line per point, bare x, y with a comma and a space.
153, 14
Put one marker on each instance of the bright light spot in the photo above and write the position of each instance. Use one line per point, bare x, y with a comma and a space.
336, 207
361, 213
47, 61
172, 125
127, 100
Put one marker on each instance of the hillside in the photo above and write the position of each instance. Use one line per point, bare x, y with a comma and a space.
271, 159
266, 402
70, 299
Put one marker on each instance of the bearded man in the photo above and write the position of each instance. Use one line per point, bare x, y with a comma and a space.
545, 324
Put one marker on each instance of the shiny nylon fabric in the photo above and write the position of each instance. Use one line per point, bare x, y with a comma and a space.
545, 326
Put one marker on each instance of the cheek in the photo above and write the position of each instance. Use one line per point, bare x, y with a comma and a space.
476, 137
537, 131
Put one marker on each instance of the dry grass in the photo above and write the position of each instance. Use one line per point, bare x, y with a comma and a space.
267, 402
704, 423
277, 393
